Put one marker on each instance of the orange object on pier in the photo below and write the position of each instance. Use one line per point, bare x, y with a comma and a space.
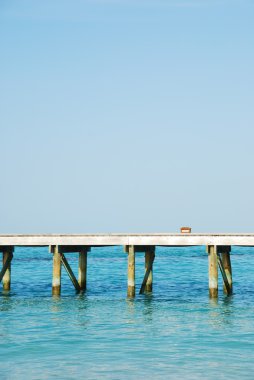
185, 230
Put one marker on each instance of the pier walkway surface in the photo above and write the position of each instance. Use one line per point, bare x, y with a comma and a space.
218, 249
159, 239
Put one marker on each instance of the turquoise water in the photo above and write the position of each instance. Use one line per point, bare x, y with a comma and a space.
175, 333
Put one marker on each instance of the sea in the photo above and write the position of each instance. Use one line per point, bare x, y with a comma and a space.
176, 332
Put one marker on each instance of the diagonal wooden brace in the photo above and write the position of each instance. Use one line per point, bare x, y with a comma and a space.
148, 270
224, 276
70, 272
6, 265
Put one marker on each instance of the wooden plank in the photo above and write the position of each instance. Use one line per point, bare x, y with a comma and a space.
70, 272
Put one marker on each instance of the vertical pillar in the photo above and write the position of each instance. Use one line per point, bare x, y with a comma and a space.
213, 271
225, 256
149, 258
7, 252
56, 281
131, 271
82, 269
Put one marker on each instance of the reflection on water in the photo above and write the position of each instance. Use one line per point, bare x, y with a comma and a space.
6, 303
57, 305
148, 304
221, 311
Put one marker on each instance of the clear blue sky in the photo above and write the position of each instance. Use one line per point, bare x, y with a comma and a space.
126, 116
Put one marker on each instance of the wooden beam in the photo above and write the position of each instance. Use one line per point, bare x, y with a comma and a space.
144, 248
5, 248
70, 272
223, 248
70, 248
140, 248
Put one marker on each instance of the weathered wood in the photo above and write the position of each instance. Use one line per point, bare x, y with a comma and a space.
70, 272
56, 281
213, 271
147, 284
5, 274
82, 270
225, 256
131, 272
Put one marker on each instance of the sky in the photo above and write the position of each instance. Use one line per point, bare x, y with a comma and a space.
126, 116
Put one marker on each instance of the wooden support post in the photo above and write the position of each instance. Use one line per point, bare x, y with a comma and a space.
82, 269
225, 257
5, 274
56, 282
131, 271
213, 271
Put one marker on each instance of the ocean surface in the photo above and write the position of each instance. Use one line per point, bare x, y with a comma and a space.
175, 333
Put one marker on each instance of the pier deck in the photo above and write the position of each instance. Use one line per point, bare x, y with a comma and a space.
218, 248
156, 239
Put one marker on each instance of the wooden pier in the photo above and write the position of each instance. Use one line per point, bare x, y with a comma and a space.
218, 249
